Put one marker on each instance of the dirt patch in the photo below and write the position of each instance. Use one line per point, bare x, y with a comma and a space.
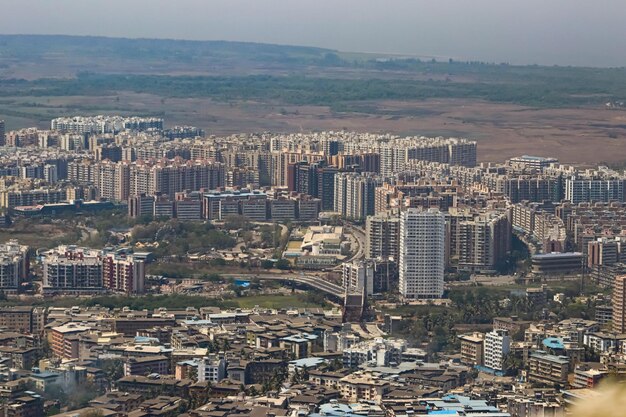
574, 135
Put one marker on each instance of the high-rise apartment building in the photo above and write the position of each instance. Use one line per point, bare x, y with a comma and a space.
603, 252
532, 162
72, 269
497, 346
358, 277
171, 177
113, 180
2, 133
141, 205
619, 304
422, 253
285, 158
13, 198
104, 124
326, 187
14, 265
382, 234
123, 272
581, 189
484, 242
355, 194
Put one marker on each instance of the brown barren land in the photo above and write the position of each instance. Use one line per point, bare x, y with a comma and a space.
574, 135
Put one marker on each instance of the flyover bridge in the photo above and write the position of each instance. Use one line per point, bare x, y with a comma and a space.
308, 280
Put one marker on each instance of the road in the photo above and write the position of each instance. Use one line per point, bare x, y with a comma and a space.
359, 235
309, 280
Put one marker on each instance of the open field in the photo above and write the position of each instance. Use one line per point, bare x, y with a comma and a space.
37, 235
574, 135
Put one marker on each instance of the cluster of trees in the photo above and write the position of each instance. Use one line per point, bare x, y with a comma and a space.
151, 302
434, 326
534, 86
275, 382
178, 238
435, 330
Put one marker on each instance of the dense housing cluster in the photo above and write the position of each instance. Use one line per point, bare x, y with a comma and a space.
359, 217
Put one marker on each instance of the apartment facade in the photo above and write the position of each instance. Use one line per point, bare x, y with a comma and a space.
618, 300
422, 254
14, 265
69, 268
382, 234
497, 346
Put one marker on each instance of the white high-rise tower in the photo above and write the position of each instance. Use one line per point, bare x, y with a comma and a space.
422, 253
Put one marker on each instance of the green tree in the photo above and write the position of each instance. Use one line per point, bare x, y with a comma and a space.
236, 222
512, 364
283, 264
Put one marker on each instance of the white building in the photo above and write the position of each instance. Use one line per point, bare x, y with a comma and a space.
497, 346
359, 276
377, 352
578, 190
70, 268
211, 368
14, 263
422, 253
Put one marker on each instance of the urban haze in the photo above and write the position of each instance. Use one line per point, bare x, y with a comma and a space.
312, 209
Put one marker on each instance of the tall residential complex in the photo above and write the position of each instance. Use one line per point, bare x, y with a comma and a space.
358, 277
497, 346
382, 236
619, 304
104, 124
72, 269
118, 180
396, 153
2, 133
123, 273
14, 265
355, 194
422, 253
532, 162
484, 242
580, 189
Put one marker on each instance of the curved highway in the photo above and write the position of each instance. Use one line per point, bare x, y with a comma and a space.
309, 280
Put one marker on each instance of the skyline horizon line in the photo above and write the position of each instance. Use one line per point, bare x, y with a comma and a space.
399, 55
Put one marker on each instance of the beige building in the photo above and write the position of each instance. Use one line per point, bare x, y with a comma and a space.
382, 234
362, 387
548, 369
619, 304
472, 346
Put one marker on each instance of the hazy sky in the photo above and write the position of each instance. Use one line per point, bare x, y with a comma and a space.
567, 32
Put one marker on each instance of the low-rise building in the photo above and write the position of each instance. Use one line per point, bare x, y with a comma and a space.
146, 365
548, 369
211, 368
472, 346
363, 387
497, 345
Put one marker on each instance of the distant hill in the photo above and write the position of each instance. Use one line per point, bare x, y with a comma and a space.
61, 55
62, 66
